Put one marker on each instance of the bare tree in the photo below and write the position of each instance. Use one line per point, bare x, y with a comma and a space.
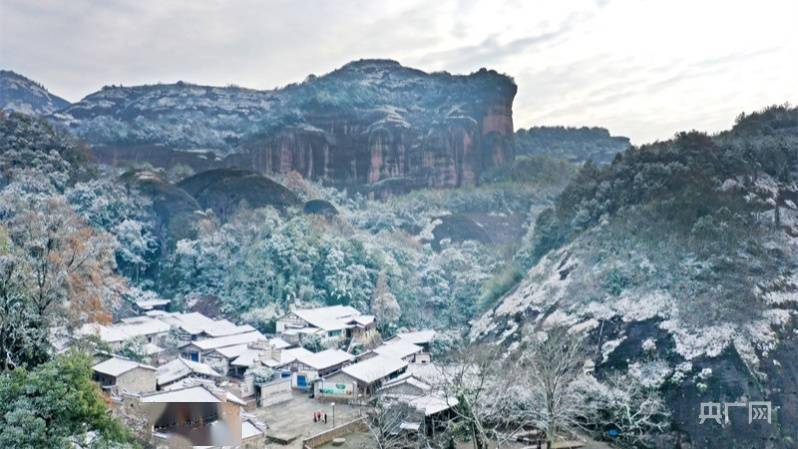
554, 364
384, 421
484, 387
635, 409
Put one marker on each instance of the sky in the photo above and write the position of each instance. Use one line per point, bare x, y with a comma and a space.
642, 68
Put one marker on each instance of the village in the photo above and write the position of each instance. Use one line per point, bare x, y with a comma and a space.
199, 381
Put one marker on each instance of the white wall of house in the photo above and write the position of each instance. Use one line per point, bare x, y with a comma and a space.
337, 386
137, 380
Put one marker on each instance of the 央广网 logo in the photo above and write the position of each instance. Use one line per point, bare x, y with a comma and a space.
719, 412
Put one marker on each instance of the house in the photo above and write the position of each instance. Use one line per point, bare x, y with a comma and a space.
121, 375
235, 360
361, 330
180, 369
195, 326
156, 355
421, 338
312, 366
405, 385
279, 343
221, 358
195, 350
144, 305
116, 335
330, 323
360, 379
433, 410
286, 359
404, 350
429, 407
296, 336
199, 414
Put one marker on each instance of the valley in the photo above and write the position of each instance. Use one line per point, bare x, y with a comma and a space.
656, 277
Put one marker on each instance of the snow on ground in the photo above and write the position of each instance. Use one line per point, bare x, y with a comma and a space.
549, 296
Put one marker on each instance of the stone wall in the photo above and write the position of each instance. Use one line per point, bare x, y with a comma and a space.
356, 425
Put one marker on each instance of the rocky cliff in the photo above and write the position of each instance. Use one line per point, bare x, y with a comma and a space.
370, 123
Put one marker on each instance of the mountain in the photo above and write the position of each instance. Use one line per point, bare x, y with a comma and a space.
370, 122
29, 143
573, 144
679, 263
21, 94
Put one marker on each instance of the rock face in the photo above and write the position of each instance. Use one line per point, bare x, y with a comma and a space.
20, 94
225, 190
371, 122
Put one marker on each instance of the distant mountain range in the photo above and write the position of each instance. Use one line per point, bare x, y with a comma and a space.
573, 144
371, 124
24, 95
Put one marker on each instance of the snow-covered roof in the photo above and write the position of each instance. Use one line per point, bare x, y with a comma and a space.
398, 348
195, 323
117, 366
249, 429
208, 384
279, 343
327, 318
235, 399
417, 337
180, 368
406, 378
363, 320
231, 352
247, 358
302, 330
429, 404
230, 340
290, 355
128, 329
429, 373
152, 349
149, 304
223, 328
325, 359
375, 368
198, 393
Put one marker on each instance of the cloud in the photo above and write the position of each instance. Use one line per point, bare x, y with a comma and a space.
643, 68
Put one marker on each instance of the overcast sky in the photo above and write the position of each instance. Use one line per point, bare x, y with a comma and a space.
642, 68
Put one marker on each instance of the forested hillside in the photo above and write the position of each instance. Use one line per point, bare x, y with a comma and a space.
677, 260
249, 247
573, 144
20, 94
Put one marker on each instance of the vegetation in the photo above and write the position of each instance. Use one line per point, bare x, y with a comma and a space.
53, 404
56, 271
718, 199
572, 144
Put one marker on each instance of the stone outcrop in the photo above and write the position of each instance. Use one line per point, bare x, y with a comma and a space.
370, 125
